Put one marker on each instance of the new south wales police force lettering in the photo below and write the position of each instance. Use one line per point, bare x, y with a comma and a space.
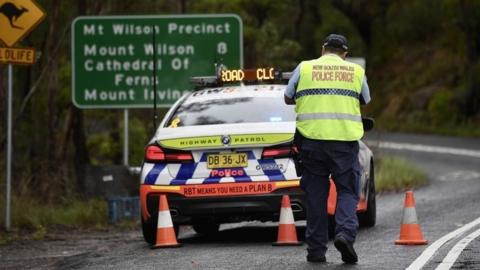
332, 73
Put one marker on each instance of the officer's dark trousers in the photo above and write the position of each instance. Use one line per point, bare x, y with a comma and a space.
320, 159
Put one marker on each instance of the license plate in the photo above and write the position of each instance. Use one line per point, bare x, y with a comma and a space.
227, 160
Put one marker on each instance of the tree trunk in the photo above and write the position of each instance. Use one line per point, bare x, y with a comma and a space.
470, 25
183, 6
299, 19
81, 155
362, 14
82, 158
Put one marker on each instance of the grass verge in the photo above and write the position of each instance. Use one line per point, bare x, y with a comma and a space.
469, 130
396, 174
31, 218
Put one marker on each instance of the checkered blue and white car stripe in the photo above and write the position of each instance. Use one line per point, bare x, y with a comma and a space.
197, 173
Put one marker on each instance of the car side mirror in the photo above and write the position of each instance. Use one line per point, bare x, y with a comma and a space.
368, 123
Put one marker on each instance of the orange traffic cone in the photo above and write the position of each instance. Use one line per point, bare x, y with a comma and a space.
410, 231
165, 232
287, 233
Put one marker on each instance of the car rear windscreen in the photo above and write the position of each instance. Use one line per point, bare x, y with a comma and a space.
232, 110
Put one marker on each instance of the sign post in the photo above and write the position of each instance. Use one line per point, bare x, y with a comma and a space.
22, 16
125, 137
9, 150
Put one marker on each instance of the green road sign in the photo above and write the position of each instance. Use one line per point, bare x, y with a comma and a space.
112, 57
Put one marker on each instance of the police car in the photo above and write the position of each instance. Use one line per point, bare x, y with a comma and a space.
224, 154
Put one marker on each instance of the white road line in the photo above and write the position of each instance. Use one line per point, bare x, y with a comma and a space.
459, 176
453, 254
430, 250
427, 148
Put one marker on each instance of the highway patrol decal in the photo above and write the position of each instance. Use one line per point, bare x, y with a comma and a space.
213, 142
191, 143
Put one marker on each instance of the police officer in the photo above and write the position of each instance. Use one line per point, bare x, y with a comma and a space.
327, 93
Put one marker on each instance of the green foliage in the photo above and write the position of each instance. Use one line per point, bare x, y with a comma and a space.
275, 51
424, 67
29, 214
408, 22
104, 147
396, 174
333, 21
440, 108
138, 138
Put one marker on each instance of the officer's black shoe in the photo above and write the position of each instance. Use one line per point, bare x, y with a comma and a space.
346, 249
316, 259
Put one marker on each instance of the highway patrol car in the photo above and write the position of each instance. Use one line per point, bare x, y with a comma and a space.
224, 154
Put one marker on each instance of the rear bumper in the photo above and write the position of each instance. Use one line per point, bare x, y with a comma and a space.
224, 202
264, 207
200, 203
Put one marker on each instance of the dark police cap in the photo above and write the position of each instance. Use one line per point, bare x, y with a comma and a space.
336, 41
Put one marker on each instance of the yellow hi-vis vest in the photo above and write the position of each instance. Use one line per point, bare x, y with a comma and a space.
328, 99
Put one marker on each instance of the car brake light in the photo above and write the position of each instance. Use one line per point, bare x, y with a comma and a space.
276, 152
179, 157
155, 153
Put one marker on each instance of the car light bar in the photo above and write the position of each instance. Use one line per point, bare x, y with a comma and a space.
248, 75
241, 75
204, 81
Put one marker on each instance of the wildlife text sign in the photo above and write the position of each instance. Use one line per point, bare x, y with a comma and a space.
17, 19
21, 56
113, 57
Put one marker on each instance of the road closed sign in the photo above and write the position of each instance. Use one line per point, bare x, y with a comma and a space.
114, 57
17, 19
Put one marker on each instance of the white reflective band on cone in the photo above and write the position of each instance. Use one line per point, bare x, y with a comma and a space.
164, 220
409, 216
286, 216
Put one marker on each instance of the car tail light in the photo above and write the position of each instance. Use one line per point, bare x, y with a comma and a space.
156, 153
179, 157
277, 152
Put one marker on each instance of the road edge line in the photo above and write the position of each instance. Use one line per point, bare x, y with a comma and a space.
453, 254
426, 148
421, 260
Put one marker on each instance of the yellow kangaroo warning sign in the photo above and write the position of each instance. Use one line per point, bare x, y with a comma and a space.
17, 19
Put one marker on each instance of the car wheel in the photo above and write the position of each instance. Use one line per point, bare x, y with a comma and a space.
368, 218
149, 229
206, 228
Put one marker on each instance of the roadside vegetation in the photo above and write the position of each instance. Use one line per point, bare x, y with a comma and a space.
33, 219
397, 174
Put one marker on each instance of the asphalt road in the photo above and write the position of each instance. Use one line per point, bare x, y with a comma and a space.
450, 201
